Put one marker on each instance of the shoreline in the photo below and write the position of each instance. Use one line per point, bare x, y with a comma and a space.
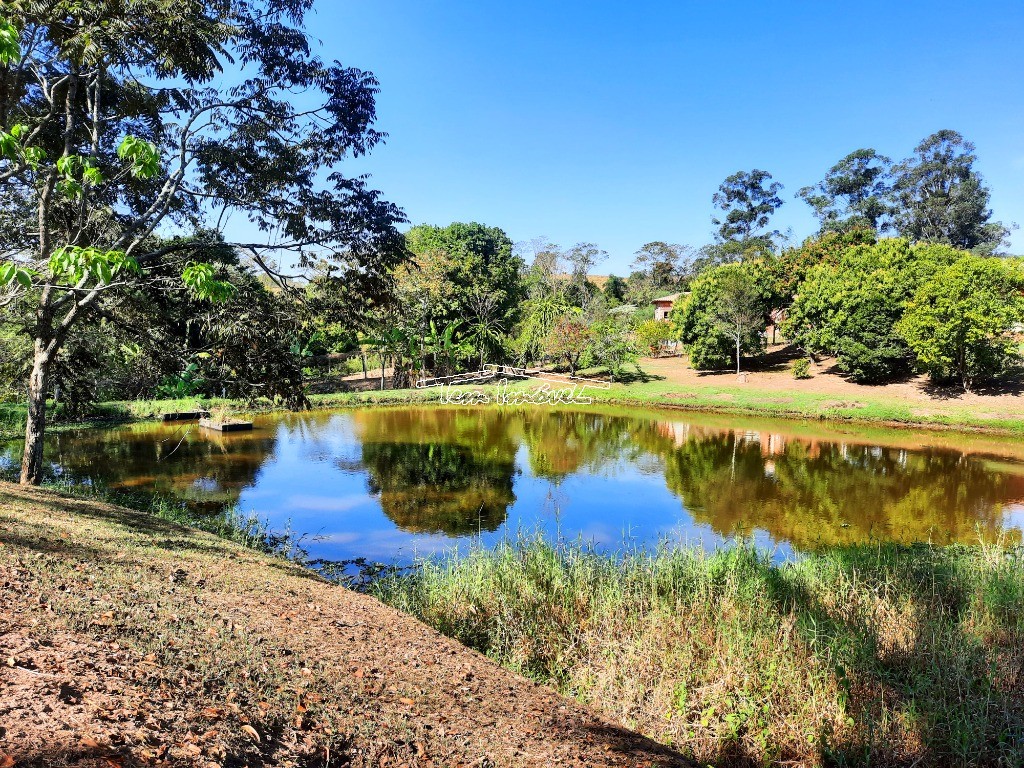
729, 400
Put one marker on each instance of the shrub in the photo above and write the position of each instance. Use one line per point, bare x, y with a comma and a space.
850, 309
961, 323
802, 369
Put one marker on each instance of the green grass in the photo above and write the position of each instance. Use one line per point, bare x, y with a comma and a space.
866, 656
872, 406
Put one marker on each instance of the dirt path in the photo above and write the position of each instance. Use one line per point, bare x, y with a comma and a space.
128, 641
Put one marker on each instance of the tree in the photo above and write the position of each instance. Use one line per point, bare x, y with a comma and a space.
569, 340
614, 289
651, 334
452, 264
111, 128
487, 330
855, 193
790, 268
582, 258
540, 314
662, 262
613, 344
724, 316
748, 200
738, 311
850, 308
942, 199
961, 323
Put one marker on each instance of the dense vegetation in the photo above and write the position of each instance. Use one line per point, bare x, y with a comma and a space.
133, 289
876, 656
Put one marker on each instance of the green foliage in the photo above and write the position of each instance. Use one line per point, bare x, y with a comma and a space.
10, 49
789, 269
540, 314
854, 194
651, 334
455, 262
962, 322
201, 281
663, 264
143, 156
614, 344
74, 263
802, 369
12, 273
725, 315
614, 290
942, 199
748, 200
849, 309
569, 339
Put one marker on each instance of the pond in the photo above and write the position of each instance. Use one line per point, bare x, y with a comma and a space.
389, 484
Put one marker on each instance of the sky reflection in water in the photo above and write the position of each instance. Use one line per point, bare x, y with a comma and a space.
389, 484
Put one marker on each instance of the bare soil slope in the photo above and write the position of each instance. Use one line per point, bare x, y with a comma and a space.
128, 641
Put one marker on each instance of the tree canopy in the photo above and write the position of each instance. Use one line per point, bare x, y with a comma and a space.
941, 198
855, 193
116, 127
747, 199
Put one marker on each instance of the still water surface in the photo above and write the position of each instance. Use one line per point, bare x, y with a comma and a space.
391, 483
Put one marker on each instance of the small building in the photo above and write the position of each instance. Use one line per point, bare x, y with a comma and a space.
663, 305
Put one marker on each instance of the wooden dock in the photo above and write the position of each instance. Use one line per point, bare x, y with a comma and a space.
185, 416
226, 426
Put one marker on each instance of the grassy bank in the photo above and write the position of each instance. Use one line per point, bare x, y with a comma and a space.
718, 395
876, 656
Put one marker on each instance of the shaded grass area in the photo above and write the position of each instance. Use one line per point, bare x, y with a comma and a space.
881, 655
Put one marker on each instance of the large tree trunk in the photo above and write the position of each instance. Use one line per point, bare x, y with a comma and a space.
35, 425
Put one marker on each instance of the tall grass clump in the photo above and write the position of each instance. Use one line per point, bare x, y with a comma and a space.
868, 656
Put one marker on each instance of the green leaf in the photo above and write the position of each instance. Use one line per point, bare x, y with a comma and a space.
92, 176
34, 157
70, 188
200, 280
10, 48
143, 156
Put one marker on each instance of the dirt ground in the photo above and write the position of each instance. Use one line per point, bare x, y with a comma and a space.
774, 374
128, 641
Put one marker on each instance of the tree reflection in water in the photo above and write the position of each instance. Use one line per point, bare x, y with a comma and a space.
453, 472
440, 471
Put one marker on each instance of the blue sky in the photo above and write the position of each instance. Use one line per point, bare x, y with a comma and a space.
615, 122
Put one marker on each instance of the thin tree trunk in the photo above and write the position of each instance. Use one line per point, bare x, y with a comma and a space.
737, 355
35, 424
363, 358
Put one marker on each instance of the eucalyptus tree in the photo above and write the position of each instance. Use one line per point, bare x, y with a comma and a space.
943, 199
748, 200
122, 123
856, 192
663, 263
